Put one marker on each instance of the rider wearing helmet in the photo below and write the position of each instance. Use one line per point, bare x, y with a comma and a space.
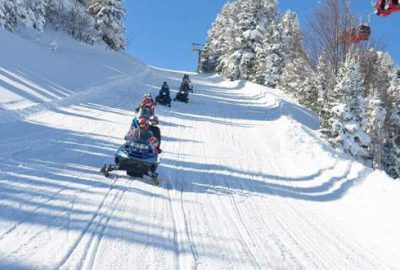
143, 133
155, 130
185, 86
147, 102
164, 95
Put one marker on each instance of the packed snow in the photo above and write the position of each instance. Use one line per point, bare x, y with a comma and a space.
246, 182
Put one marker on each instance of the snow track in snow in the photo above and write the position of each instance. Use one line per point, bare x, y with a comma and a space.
245, 181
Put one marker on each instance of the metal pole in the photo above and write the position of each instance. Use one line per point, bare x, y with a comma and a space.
197, 48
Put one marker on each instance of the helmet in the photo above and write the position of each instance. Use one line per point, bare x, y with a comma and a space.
154, 120
147, 96
143, 122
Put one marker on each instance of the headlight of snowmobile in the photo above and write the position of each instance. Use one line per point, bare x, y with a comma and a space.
140, 146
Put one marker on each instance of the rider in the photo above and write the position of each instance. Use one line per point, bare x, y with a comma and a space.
185, 86
165, 89
147, 102
164, 94
143, 133
183, 91
155, 130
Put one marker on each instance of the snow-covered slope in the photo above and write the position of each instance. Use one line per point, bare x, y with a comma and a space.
245, 182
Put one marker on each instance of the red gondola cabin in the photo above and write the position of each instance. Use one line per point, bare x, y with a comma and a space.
382, 8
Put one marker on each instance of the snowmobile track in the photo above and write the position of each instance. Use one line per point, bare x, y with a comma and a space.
99, 223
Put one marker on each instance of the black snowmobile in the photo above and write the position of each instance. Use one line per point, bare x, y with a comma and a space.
137, 158
163, 98
182, 95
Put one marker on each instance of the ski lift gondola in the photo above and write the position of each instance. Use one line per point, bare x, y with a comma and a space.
363, 32
394, 5
386, 7
355, 34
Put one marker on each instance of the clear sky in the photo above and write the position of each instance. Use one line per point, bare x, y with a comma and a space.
161, 32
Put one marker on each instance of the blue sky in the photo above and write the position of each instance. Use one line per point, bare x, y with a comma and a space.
160, 32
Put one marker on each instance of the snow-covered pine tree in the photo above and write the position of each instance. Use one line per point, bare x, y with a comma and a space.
292, 37
326, 80
109, 15
238, 62
347, 126
35, 14
377, 83
252, 20
12, 14
271, 61
54, 12
391, 157
78, 23
299, 80
2, 14
219, 38
283, 44
376, 128
297, 77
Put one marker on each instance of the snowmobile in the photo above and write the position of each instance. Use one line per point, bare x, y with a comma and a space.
137, 158
163, 99
182, 95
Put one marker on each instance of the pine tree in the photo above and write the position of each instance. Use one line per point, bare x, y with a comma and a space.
35, 14
269, 60
299, 80
252, 20
292, 37
12, 14
376, 128
78, 23
391, 157
270, 71
297, 77
326, 80
219, 37
54, 9
377, 73
109, 15
347, 126
2, 14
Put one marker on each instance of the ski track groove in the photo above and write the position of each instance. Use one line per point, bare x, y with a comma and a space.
231, 222
326, 235
93, 248
181, 235
279, 216
86, 228
54, 195
240, 225
284, 252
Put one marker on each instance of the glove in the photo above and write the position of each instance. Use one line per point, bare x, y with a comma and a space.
158, 149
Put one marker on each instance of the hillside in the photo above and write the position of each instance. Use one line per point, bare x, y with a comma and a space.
245, 181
